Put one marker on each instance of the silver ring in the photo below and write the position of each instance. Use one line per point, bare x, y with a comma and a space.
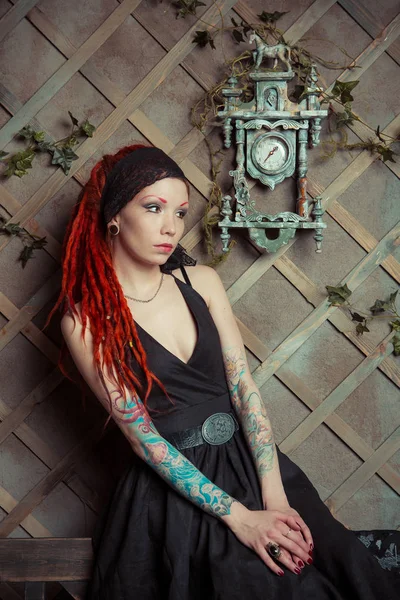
289, 532
274, 549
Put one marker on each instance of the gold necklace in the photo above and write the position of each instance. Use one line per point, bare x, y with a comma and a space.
150, 299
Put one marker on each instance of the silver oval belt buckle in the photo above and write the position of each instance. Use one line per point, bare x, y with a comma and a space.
218, 428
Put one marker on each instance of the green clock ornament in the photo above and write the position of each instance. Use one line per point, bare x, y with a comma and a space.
272, 136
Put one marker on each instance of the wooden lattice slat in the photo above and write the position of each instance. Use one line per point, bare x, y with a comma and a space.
30, 310
65, 72
366, 471
30, 331
311, 323
372, 52
338, 396
24, 408
272, 362
30, 524
51, 480
369, 22
14, 15
50, 459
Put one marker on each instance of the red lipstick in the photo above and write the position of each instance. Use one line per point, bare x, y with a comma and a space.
164, 247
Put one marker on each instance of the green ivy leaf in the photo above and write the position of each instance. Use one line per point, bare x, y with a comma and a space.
395, 325
347, 117
19, 163
64, 158
267, 17
343, 89
392, 297
87, 128
386, 153
342, 119
356, 317
238, 37
75, 121
46, 146
3, 154
187, 7
70, 142
12, 228
338, 294
39, 136
396, 344
361, 328
25, 255
202, 38
39, 243
379, 306
27, 132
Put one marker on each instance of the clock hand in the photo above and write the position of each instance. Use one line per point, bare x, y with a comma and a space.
271, 152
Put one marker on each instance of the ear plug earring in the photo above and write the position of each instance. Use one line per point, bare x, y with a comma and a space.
113, 229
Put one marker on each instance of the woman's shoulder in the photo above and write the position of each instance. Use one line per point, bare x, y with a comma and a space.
71, 323
202, 278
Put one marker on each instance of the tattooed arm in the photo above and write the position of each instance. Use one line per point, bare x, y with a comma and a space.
245, 396
167, 461
256, 425
135, 423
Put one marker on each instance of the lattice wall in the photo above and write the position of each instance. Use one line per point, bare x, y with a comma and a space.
132, 69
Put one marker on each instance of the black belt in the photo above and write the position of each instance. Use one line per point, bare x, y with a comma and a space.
217, 429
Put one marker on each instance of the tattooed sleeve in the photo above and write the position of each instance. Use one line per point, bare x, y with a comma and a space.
167, 461
250, 410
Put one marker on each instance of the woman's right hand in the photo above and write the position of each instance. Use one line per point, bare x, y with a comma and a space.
256, 528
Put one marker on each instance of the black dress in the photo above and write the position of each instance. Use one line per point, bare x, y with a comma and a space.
153, 544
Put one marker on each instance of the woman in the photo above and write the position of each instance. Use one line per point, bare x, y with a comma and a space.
209, 507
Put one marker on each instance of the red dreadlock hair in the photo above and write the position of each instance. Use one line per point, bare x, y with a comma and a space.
89, 277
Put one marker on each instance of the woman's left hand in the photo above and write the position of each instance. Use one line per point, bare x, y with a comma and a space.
305, 532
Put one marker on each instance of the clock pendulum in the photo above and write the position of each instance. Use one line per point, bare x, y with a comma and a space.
272, 135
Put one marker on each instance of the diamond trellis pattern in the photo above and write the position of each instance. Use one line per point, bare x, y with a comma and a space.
132, 69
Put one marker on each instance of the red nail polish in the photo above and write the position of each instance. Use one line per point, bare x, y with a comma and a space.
280, 573
310, 561
297, 571
301, 564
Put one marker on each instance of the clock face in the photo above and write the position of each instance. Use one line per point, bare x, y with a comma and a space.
270, 153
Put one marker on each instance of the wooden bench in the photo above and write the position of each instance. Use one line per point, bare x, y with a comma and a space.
37, 561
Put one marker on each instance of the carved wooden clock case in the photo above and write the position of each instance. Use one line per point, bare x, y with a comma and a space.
272, 135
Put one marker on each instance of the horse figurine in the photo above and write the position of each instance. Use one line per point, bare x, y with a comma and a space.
280, 51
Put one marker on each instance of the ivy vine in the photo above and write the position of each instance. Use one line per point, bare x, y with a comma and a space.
19, 164
61, 151
381, 309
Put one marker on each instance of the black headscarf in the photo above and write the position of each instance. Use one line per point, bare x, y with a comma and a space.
139, 169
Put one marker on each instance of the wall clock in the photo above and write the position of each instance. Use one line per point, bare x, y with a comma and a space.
272, 136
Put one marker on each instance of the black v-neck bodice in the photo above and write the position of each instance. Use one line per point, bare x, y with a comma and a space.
198, 328
197, 388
